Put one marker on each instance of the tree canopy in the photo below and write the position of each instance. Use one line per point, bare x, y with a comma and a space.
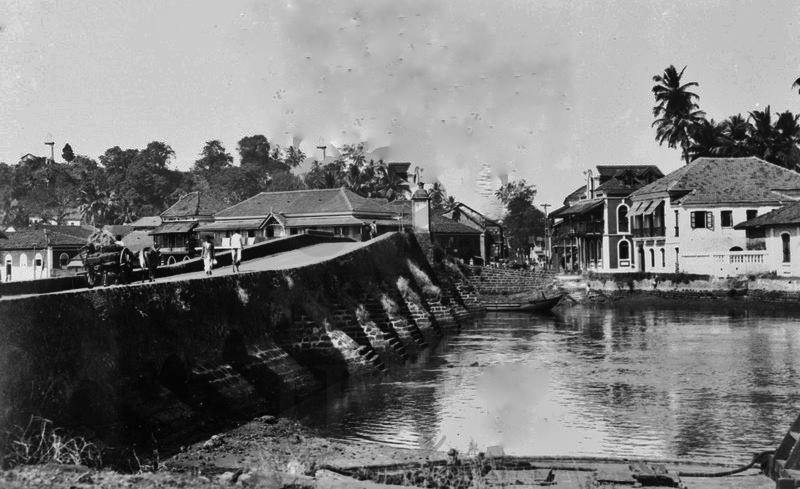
522, 221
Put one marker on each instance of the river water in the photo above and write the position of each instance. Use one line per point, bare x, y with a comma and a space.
707, 384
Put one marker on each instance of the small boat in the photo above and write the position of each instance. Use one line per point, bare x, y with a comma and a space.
538, 304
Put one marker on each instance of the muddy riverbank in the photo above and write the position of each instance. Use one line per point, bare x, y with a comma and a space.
280, 453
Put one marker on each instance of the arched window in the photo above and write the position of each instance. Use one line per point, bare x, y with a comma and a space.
652, 257
622, 218
9, 260
23, 260
624, 250
63, 260
38, 261
663, 258
736, 248
787, 252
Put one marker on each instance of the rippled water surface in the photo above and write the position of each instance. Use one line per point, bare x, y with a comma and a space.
707, 384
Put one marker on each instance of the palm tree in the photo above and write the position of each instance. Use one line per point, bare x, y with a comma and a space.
438, 196
675, 111
762, 134
735, 137
706, 139
786, 136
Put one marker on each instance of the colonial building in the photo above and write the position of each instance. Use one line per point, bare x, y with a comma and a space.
591, 231
685, 222
775, 236
492, 241
176, 236
43, 252
269, 215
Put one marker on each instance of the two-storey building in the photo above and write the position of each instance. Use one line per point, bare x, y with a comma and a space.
591, 231
685, 222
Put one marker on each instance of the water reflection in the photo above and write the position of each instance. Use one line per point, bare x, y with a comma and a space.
709, 384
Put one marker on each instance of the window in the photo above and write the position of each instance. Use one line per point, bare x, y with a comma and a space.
726, 219
702, 219
63, 260
676, 223
652, 258
251, 233
37, 261
624, 250
677, 255
23, 260
736, 248
622, 219
293, 231
751, 213
663, 258
787, 252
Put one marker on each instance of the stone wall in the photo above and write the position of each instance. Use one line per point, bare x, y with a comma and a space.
506, 281
149, 363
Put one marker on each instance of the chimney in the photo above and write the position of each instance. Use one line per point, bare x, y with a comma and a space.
589, 184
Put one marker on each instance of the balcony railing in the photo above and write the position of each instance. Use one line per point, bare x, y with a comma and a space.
648, 232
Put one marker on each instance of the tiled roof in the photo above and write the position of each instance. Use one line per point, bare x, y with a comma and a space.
29, 238
788, 214
439, 223
298, 202
443, 225
193, 204
610, 171
174, 228
581, 207
147, 222
576, 195
724, 180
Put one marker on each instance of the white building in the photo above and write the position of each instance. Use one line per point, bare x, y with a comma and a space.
777, 233
685, 222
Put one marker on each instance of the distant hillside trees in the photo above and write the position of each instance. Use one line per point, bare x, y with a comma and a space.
129, 183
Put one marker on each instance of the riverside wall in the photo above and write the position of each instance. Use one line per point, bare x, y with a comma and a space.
151, 364
677, 286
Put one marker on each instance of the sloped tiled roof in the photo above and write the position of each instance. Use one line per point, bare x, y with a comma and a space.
439, 223
788, 214
298, 202
193, 204
724, 180
29, 238
147, 222
610, 171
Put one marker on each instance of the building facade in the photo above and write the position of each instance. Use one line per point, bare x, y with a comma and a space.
176, 236
686, 221
591, 231
492, 244
43, 252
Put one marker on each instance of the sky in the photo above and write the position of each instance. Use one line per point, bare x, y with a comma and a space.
473, 91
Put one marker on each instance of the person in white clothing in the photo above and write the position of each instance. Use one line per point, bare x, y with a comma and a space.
236, 250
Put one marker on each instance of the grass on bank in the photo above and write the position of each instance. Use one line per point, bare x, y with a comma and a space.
39, 442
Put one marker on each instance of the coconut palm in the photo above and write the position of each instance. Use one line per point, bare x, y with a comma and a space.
735, 137
762, 134
675, 111
786, 135
706, 139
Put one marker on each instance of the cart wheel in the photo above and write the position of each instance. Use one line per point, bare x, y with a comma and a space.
90, 278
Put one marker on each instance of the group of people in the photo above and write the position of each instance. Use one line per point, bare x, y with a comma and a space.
208, 253
369, 231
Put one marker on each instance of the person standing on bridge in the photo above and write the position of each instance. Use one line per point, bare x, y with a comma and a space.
236, 251
207, 253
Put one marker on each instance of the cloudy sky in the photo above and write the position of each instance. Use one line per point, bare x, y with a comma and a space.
471, 90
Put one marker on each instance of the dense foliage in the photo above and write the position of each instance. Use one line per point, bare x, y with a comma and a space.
522, 220
126, 184
680, 123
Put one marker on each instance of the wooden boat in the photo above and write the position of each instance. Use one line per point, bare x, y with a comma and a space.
539, 304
